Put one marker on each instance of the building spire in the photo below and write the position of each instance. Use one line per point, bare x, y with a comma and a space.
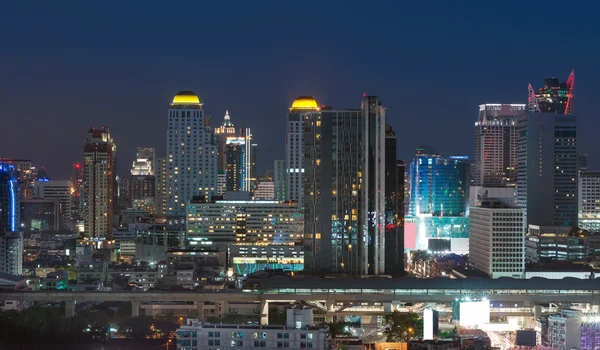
227, 120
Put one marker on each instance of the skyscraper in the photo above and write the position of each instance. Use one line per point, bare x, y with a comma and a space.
303, 106
142, 182
9, 199
56, 189
191, 154
547, 168
439, 194
226, 130
344, 200
160, 174
394, 206
241, 167
99, 182
496, 137
279, 179
555, 97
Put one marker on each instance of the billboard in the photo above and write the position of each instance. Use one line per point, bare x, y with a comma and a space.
430, 324
473, 313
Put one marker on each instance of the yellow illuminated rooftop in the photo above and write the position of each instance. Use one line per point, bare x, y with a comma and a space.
186, 98
305, 103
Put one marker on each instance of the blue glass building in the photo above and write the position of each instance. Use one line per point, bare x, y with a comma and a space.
9, 199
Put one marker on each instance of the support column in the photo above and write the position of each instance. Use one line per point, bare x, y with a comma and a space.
69, 308
264, 313
135, 309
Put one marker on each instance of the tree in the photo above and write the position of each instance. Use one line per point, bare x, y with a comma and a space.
403, 326
338, 329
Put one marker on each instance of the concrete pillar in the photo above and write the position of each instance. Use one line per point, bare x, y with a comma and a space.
135, 309
537, 311
69, 308
264, 313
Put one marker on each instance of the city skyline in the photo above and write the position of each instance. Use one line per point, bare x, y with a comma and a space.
257, 82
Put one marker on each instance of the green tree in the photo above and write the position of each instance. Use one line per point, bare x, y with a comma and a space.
338, 329
403, 326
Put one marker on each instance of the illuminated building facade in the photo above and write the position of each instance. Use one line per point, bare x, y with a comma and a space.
249, 258
344, 194
11, 239
99, 182
227, 129
439, 195
547, 168
191, 154
555, 97
240, 154
265, 190
56, 189
142, 182
496, 139
294, 142
25, 174
394, 207
242, 221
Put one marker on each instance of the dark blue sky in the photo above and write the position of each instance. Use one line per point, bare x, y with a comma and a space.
67, 65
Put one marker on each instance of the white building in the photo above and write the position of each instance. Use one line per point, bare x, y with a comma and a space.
221, 183
299, 333
228, 221
191, 153
564, 330
477, 194
11, 253
497, 239
294, 145
99, 182
589, 200
52, 189
265, 190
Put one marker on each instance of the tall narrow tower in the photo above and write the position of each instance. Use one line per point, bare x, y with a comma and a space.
99, 182
226, 130
294, 139
191, 153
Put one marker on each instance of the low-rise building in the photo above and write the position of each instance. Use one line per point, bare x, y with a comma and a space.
246, 259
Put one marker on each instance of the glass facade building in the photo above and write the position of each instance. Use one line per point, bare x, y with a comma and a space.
9, 199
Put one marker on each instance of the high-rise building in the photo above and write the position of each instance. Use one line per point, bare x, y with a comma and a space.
25, 174
142, 182
496, 137
589, 200
77, 186
497, 239
582, 161
394, 206
40, 215
226, 130
55, 189
160, 198
221, 183
302, 107
240, 155
344, 204
439, 194
225, 222
11, 239
547, 168
191, 154
279, 178
555, 97
265, 190
99, 181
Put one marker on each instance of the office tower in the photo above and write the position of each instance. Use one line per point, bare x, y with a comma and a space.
224, 222
11, 239
265, 190
160, 198
439, 190
302, 107
344, 191
40, 215
76, 186
122, 194
497, 239
221, 134
191, 154
54, 189
394, 206
241, 167
496, 136
555, 97
221, 183
279, 178
582, 161
589, 200
99, 182
547, 168
24, 175
142, 182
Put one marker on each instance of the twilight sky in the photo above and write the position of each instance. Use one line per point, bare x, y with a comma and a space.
68, 65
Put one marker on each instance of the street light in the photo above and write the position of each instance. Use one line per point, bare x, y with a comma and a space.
168, 341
